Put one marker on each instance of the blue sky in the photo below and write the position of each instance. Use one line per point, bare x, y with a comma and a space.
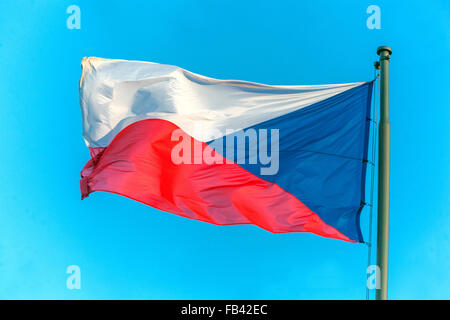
128, 250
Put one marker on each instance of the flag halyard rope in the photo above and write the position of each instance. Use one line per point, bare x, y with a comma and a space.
372, 178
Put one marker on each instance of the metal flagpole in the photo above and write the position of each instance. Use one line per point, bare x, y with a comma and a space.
383, 175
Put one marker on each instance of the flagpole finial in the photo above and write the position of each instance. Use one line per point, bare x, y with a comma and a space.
384, 48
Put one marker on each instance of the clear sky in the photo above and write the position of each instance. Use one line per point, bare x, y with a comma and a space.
128, 250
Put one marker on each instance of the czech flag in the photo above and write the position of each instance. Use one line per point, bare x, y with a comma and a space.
284, 158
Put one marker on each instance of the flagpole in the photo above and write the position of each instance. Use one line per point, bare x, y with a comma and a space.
383, 175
